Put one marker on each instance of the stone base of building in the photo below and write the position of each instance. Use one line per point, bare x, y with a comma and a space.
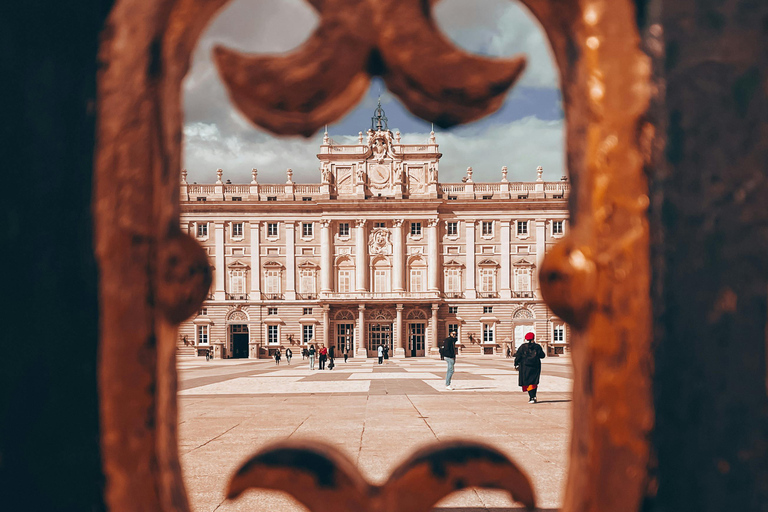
361, 353
399, 352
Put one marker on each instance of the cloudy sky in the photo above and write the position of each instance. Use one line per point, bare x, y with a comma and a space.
526, 132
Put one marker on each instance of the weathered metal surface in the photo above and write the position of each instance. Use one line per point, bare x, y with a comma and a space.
150, 278
324, 480
357, 39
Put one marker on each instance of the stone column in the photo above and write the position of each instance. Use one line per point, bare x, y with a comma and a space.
361, 259
255, 260
326, 252
219, 293
290, 261
432, 339
469, 279
327, 325
397, 255
361, 351
505, 289
400, 349
434, 256
541, 241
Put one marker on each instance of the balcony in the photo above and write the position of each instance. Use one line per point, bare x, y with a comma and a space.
272, 296
306, 296
522, 295
237, 296
382, 295
488, 295
453, 295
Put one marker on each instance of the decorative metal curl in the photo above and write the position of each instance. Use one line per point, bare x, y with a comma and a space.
356, 40
324, 480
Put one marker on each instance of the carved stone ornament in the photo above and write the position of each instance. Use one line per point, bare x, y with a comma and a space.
153, 276
379, 241
237, 316
379, 314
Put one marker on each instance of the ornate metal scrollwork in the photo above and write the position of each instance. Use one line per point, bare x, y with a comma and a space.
324, 480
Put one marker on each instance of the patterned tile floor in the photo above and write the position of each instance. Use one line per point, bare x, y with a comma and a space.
375, 414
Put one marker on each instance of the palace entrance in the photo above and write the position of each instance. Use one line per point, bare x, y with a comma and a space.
345, 339
416, 338
238, 336
379, 334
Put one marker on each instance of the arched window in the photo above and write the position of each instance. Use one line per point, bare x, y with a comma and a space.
381, 276
345, 276
417, 275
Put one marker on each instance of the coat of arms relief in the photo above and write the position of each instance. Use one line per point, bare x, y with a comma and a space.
379, 241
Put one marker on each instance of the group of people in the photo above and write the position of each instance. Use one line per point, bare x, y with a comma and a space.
288, 355
325, 356
527, 361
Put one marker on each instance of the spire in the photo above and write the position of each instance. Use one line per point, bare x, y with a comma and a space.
379, 119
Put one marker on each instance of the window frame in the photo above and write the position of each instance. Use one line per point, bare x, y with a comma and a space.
487, 228
452, 228
522, 229
304, 329
199, 334
276, 329
202, 230
276, 226
416, 229
344, 231
307, 229
238, 226
489, 332
487, 310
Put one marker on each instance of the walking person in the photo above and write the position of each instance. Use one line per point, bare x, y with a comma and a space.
331, 357
386, 352
277, 356
346, 354
304, 353
288, 355
509, 352
449, 355
323, 356
528, 361
381, 353
311, 354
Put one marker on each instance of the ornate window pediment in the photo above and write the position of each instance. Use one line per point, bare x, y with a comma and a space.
488, 263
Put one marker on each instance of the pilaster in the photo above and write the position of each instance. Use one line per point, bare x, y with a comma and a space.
219, 293
361, 350
505, 289
326, 250
399, 338
470, 292
255, 260
397, 255
290, 261
361, 259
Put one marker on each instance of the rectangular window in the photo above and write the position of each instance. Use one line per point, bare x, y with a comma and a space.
415, 228
238, 282
307, 311
345, 281
453, 228
201, 199
487, 228
453, 310
380, 280
522, 227
379, 224
487, 309
271, 198
523, 281
453, 328
343, 228
203, 312
271, 311
557, 227
272, 282
202, 334
306, 229
237, 229
453, 280
558, 333
488, 280
272, 335
306, 199
307, 283
202, 229
272, 229
307, 333
237, 198
453, 198
417, 280
488, 333
487, 197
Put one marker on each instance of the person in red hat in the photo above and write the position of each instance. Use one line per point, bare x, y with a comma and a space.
528, 361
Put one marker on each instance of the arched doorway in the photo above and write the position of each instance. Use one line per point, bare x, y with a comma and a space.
416, 325
238, 334
523, 322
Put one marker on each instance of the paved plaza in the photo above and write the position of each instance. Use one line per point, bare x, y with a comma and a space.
376, 414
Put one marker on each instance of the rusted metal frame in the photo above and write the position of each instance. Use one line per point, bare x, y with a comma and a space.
152, 276
597, 277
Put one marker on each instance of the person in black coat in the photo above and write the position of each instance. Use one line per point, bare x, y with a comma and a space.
528, 361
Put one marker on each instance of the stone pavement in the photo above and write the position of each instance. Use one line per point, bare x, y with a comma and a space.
375, 414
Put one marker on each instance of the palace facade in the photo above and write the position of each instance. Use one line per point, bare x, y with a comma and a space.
379, 252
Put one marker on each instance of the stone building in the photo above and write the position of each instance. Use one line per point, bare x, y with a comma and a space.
379, 252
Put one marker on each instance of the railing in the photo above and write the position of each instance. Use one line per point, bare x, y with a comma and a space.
272, 296
417, 148
382, 295
453, 295
271, 189
522, 295
448, 188
201, 189
237, 296
237, 189
487, 187
555, 186
488, 295
306, 189
306, 296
